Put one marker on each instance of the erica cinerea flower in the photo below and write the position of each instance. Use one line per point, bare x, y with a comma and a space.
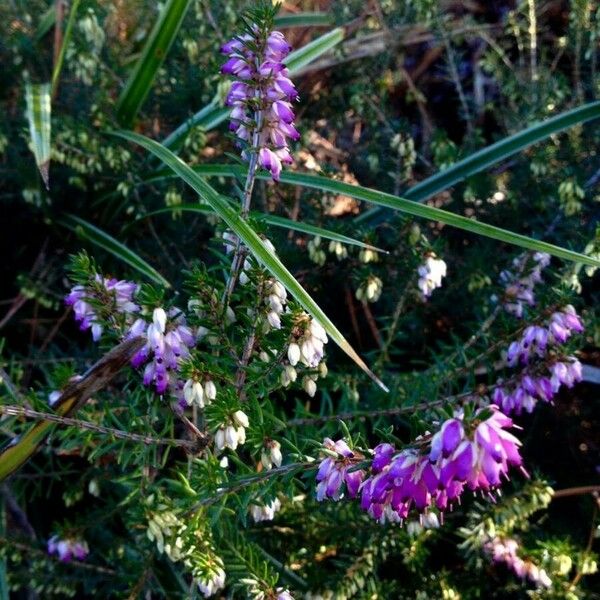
521, 281
108, 295
261, 95
545, 371
168, 340
334, 471
68, 549
474, 454
505, 550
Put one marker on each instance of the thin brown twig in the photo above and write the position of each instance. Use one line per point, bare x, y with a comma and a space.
20, 411
32, 549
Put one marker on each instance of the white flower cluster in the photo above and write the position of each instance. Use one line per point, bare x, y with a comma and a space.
162, 528
315, 252
306, 348
370, 289
431, 273
367, 255
275, 301
198, 393
265, 512
214, 583
234, 434
338, 249
271, 454
427, 520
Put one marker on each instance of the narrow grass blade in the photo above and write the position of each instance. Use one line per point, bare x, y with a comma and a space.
45, 24
65, 42
410, 207
213, 114
100, 238
37, 99
298, 59
154, 53
493, 154
275, 221
18, 452
304, 19
208, 118
250, 239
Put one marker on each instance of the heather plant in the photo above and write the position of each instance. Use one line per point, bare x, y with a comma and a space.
298, 386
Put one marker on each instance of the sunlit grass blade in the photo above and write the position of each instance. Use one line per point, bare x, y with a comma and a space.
250, 239
208, 118
213, 114
303, 19
18, 452
298, 59
45, 24
37, 99
410, 207
100, 238
493, 154
274, 221
154, 53
65, 42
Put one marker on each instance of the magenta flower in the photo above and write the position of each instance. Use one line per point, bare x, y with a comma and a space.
477, 455
334, 472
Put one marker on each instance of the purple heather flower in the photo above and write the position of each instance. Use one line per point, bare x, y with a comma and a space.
261, 97
333, 472
119, 293
68, 549
534, 385
437, 476
505, 551
520, 283
168, 340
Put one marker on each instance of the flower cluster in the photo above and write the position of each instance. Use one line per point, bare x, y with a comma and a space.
168, 340
117, 294
431, 273
535, 339
505, 551
461, 455
68, 549
519, 283
261, 96
233, 434
271, 454
275, 301
307, 346
370, 289
198, 393
334, 471
211, 585
541, 379
265, 512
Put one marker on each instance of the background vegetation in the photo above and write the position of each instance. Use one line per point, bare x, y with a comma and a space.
401, 91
